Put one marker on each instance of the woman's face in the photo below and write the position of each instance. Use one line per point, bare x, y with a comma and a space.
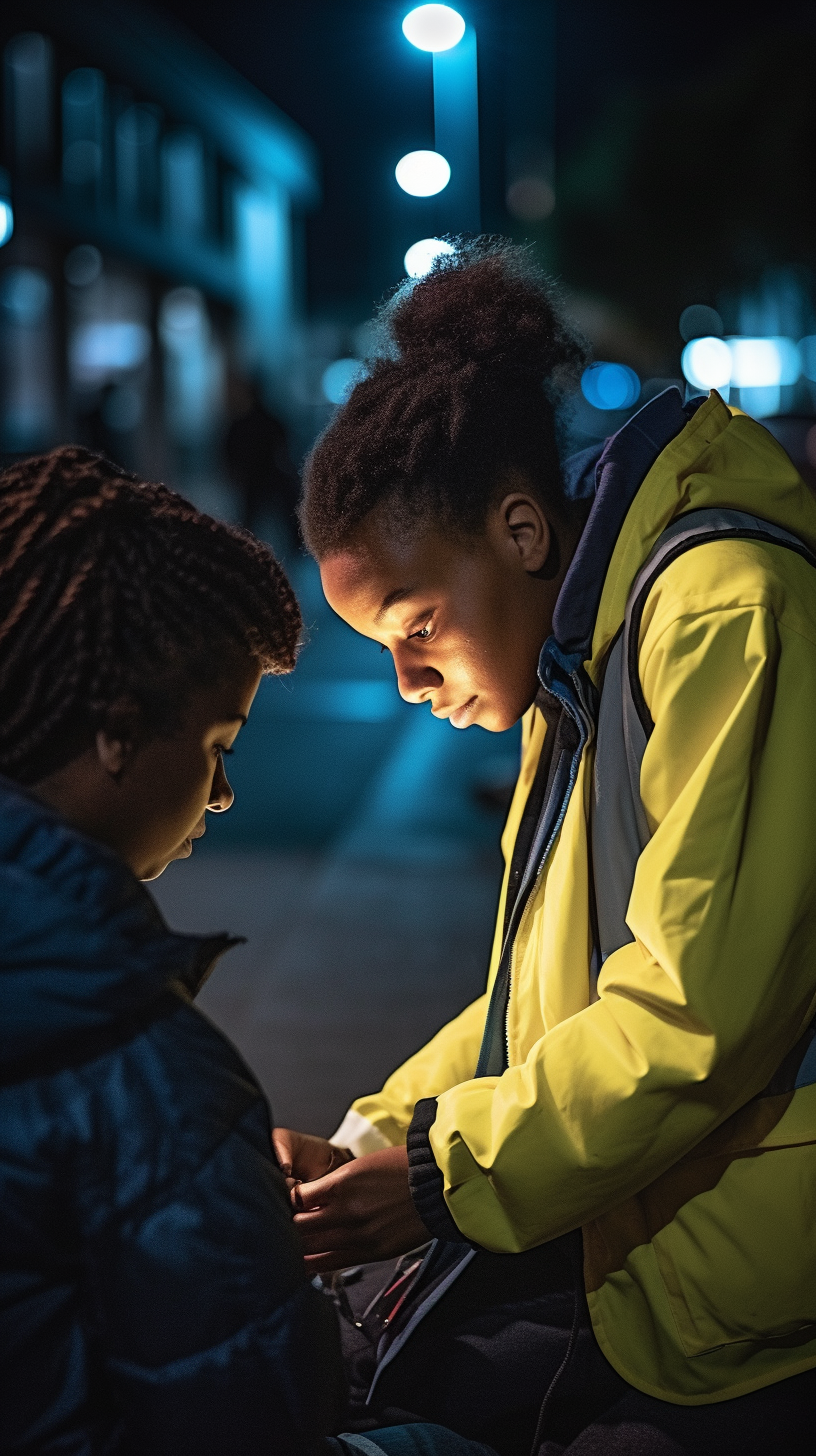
464, 620
170, 783
146, 796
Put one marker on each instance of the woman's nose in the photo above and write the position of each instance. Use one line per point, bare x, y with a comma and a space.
416, 681
221, 795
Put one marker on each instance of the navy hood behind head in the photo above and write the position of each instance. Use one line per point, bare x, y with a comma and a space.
82, 944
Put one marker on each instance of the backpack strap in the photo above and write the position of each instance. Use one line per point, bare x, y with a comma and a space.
620, 831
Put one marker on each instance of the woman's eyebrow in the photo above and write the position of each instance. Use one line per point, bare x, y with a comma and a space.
397, 595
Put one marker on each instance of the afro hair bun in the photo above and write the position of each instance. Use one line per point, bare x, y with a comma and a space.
485, 306
472, 365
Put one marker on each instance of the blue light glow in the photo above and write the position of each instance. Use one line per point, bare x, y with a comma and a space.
422, 174
759, 363
706, 363
807, 354
610, 386
420, 256
108, 344
6, 221
433, 27
25, 295
340, 378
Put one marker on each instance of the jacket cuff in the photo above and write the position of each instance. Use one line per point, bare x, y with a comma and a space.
358, 1135
425, 1178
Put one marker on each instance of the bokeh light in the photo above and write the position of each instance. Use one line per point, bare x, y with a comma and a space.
706, 363
420, 256
83, 265
758, 363
25, 295
698, 321
6, 220
610, 386
103, 345
530, 199
422, 174
340, 378
433, 27
807, 355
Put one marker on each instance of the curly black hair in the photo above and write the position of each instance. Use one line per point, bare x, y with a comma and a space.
476, 359
113, 588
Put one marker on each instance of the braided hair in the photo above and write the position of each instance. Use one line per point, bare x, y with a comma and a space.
112, 588
474, 362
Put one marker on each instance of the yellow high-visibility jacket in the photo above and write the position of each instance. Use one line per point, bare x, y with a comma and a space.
634, 1112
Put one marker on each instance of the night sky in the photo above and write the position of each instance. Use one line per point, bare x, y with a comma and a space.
342, 69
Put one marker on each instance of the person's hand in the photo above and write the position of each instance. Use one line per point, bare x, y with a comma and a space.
303, 1157
358, 1213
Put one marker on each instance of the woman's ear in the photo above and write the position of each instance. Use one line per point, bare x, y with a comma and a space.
119, 738
527, 532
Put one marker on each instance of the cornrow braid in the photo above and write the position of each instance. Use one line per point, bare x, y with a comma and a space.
474, 362
112, 588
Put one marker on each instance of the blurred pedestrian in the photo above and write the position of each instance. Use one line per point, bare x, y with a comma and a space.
257, 451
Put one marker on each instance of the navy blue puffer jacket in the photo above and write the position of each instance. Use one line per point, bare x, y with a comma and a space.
152, 1295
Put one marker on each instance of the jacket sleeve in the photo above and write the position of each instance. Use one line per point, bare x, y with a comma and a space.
383, 1118
214, 1339
694, 1017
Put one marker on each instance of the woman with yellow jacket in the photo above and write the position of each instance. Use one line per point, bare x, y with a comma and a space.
642, 1066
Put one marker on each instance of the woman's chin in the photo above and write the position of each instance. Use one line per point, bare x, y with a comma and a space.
184, 851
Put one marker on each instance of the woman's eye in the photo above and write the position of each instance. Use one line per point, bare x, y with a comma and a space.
222, 751
423, 634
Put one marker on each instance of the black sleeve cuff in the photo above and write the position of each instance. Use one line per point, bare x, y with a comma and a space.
425, 1179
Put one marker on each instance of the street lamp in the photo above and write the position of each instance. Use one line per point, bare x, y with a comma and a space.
423, 174
433, 27
442, 30
421, 256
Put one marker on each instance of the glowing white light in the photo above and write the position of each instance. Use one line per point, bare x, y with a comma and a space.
340, 378
706, 363
420, 256
422, 173
610, 386
6, 221
433, 27
758, 363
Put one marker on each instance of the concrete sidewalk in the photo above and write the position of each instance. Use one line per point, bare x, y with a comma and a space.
349, 966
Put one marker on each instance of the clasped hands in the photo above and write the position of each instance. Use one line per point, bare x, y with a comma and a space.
348, 1210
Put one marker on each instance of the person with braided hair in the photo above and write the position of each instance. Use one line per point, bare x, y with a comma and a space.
152, 1292
153, 1296
613, 1150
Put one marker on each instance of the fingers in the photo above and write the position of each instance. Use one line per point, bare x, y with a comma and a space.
283, 1143
319, 1191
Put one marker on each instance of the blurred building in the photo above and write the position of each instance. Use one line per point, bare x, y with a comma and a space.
150, 201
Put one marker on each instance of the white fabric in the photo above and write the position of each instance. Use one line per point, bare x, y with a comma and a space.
358, 1135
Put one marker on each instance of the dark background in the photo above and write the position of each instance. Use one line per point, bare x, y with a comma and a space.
361, 856
683, 140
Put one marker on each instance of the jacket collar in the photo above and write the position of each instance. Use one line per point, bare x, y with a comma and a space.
611, 473
82, 942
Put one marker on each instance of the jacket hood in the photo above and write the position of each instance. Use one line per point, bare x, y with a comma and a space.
708, 456
82, 943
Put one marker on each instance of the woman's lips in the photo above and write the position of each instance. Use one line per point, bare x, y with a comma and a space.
460, 717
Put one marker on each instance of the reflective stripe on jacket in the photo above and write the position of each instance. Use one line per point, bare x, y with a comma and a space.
628, 1108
